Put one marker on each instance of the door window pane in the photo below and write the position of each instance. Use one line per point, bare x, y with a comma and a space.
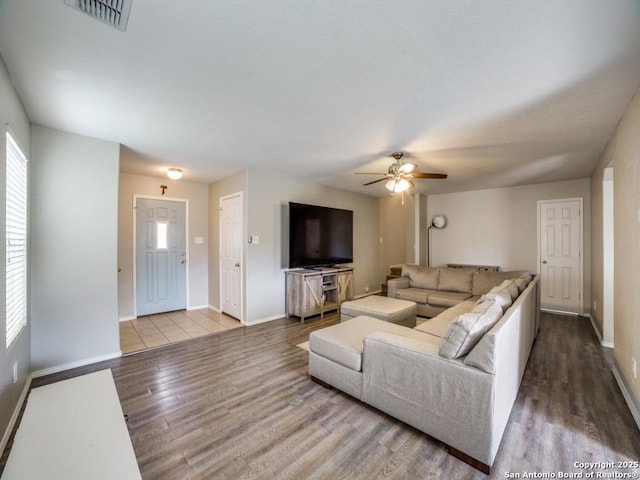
161, 235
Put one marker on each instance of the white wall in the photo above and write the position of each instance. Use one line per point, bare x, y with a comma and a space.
74, 222
499, 226
197, 264
624, 151
266, 197
12, 114
397, 235
267, 208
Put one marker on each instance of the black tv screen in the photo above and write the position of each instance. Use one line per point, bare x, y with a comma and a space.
319, 236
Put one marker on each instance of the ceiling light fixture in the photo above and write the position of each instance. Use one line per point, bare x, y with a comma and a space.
399, 184
174, 173
407, 168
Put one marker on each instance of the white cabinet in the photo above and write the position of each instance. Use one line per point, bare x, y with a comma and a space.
313, 292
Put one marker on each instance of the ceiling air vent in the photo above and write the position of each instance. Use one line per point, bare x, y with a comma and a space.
111, 12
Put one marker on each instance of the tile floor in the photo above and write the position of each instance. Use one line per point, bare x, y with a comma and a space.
164, 328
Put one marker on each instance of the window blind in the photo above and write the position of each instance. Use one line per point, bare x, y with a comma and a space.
16, 238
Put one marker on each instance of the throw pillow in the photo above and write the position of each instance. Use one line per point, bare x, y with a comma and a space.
482, 305
513, 290
522, 281
502, 286
502, 298
464, 332
482, 356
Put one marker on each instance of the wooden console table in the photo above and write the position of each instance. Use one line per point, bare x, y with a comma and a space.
312, 292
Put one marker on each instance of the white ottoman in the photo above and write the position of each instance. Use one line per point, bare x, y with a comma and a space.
393, 310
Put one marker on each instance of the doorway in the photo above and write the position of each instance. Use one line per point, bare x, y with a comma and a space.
231, 290
161, 255
560, 234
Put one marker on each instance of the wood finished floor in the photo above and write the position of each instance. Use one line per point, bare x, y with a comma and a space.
161, 329
240, 405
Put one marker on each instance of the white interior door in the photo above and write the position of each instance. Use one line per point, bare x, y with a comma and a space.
231, 255
160, 256
560, 251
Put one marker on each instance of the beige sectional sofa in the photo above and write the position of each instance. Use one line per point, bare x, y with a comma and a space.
435, 289
454, 377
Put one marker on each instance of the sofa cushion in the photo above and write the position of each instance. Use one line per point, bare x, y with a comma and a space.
509, 286
502, 298
418, 295
438, 324
483, 281
463, 333
481, 306
522, 281
455, 280
446, 299
513, 290
421, 277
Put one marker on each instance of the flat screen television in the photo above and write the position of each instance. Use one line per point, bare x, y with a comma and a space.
319, 236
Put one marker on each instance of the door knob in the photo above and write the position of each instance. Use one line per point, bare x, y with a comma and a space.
544, 261
237, 265
183, 262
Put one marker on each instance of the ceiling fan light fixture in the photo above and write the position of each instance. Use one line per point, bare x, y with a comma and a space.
174, 173
407, 168
397, 185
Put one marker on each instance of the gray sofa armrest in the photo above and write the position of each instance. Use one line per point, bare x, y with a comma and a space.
408, 379
394, 284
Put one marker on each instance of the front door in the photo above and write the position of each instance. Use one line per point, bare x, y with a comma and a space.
160, 256
560, 251
231, 255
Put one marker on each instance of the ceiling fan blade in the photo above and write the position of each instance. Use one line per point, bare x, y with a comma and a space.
429, 175
369, 173
375, 181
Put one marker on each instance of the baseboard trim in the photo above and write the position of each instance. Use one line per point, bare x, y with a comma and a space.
598, 334
76, 364
560, 312
362, 295
198, 307
266, 319
16, 414
215, 309
126, 319
632, 403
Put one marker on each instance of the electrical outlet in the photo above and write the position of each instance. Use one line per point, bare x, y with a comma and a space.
595, 306
635, 372
15, 371
366, 289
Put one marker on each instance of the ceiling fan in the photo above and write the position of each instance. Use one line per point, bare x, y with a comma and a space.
400, 175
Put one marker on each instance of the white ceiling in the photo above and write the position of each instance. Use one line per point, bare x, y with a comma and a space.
493, 92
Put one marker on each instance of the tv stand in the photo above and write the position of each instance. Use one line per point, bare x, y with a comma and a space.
313, 291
